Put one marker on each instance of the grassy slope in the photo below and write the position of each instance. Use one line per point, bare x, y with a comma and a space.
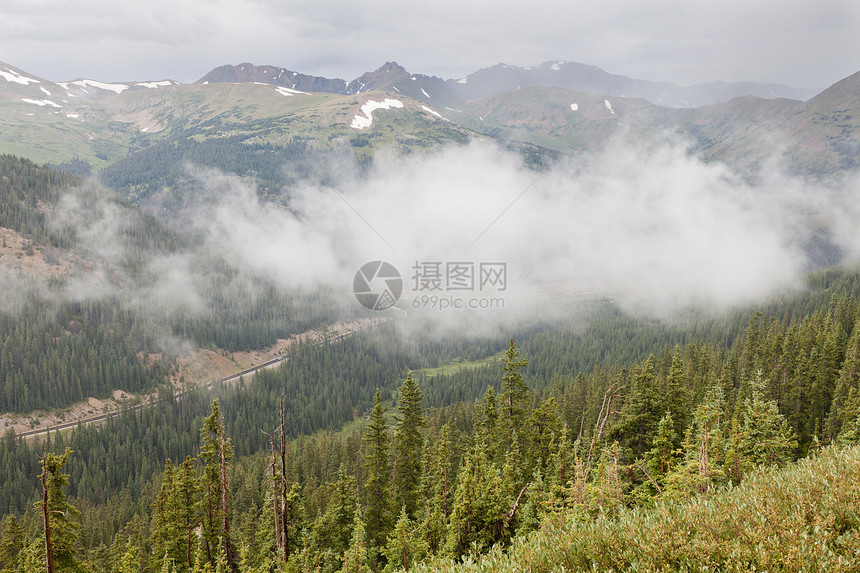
458, 365
103, 131
46, 134
544, 116
802, 518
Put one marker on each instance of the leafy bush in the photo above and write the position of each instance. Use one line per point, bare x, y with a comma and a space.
802, 518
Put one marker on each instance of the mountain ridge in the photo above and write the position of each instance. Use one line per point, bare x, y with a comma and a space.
101, 123
502, 78
481, 83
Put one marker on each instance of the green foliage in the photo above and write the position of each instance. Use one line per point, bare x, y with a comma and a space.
796, 519
688, 419
408, 445
175, 515
11, 542
164, 164
24, 188
478, 516
61, 524
766, 438
405, 545
515, 396
377, 469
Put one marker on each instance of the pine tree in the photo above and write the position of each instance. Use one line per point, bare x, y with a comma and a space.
661, 457
186, 499
438, 488
331, 534
480, 506
31, 559
201, 562
766, 438
544, 428
677, 396
408, 445
844, 408
377, 469
11, 542
404, 547
358, 559
215, 452
167, 538
642, 411
708, 419
130, 561
515, 394
61, 529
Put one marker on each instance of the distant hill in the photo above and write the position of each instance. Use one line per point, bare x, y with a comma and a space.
591, 79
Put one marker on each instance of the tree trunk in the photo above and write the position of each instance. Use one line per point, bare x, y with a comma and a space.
49, 550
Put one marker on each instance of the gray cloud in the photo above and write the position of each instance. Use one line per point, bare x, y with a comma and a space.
798, 43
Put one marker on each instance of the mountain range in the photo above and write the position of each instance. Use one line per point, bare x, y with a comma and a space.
557, 106
504, 78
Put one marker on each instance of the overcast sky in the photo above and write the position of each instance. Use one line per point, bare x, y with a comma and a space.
803, 43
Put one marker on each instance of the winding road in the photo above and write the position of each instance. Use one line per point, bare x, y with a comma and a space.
230, 378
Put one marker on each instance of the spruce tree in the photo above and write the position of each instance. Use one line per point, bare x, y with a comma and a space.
377, 469
215, 452
844, 408
515, 397
766, 438
11, 542
405, 546
167, 536
60, 526
408, 445
187, 501
677, 396
642, 411
358, 558
478, 516
332, 530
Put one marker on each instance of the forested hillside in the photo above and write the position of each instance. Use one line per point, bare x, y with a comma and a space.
430, 473
24, 187
83, 330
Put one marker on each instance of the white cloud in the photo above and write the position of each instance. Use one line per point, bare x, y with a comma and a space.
652, 220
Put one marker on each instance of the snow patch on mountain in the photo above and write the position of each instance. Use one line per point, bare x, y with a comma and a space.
432, 111
153, 85
362, 122
574, 106
11, 75
115, 88
608, 106
40, 102
425, 93
289, 92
